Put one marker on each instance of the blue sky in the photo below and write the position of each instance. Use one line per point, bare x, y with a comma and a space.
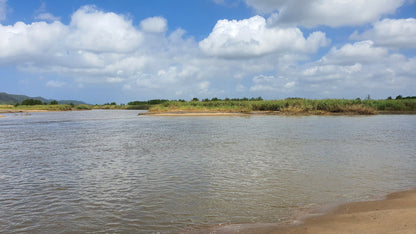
126, 50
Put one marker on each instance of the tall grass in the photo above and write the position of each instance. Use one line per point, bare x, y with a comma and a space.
44, 107
290, 106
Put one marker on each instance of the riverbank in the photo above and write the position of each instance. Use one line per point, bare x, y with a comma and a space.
395, 214
11, 111
293, 106
283, 113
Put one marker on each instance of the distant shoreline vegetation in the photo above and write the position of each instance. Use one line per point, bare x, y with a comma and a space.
289, 106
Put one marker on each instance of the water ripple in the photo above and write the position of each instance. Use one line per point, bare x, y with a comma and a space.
110, 171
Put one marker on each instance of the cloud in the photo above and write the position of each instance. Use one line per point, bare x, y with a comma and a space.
98, 31
262, 83
3, 6
311, 13
154, 25
42, 14
47, 17
394, 33
239, 58
55, 84
24, 41
361, 52
252, 37
360, 68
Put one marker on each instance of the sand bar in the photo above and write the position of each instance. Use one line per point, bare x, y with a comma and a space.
395, 214
22, 111
225, 113
179, 113
300, 113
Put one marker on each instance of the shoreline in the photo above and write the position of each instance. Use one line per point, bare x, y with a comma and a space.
279, 113
396, 213
8, 111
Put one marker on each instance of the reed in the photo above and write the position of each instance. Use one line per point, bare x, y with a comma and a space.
289, 106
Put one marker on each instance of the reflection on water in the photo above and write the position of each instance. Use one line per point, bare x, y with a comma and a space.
113, 171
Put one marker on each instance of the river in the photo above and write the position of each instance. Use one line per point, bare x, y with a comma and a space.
111, 171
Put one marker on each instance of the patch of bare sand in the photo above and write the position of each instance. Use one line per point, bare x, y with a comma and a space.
395, 214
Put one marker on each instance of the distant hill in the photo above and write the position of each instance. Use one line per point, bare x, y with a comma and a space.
11, 99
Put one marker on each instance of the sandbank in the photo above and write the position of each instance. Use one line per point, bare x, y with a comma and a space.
395, 214
225, 113
22, 111
180, 113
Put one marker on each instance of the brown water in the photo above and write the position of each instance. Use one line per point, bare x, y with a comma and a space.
113, 171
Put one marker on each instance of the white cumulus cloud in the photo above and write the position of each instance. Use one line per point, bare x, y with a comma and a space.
99, 31
154, 25
396, 33
105, 49
334, 13
252, 37
362, 52
22, 41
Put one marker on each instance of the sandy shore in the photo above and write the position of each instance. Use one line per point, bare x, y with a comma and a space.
395, 214
213, 113
21, 111
216, 113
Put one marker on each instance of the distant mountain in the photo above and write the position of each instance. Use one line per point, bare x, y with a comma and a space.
11, 99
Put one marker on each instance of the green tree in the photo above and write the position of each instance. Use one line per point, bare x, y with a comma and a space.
31, 102
54, 102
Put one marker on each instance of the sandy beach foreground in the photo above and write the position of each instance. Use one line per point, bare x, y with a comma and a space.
395, 214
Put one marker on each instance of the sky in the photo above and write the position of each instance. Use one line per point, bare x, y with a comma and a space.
100, 51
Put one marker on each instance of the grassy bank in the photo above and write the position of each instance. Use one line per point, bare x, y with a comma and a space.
290, 106
22, 108
64, 107
285, 106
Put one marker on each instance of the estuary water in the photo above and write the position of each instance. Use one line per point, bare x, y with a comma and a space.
116, 172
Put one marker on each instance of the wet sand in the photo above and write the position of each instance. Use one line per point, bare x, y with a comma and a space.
395, 214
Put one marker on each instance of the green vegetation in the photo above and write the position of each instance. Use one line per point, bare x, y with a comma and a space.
36, 107
145, 105
31, 102
289, 106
